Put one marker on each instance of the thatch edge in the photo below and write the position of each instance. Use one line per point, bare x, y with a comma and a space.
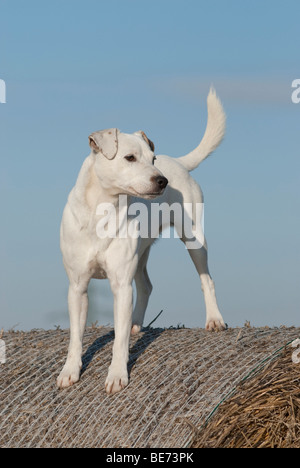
205, 436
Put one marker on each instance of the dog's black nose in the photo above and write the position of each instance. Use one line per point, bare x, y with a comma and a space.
162, 182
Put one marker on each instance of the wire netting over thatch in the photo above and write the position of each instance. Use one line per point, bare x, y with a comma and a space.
177, 378
264, 411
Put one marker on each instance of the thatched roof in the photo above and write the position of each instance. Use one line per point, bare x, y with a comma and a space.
178, 377
263, 412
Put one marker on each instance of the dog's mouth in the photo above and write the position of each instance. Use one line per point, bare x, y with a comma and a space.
147, 195
158, 184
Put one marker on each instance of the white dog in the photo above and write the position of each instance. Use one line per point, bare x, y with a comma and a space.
123, 164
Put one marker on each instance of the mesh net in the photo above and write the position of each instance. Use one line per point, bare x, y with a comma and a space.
262, 412
177, 378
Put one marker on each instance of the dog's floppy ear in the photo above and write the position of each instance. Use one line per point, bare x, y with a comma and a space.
105, 141
149, 142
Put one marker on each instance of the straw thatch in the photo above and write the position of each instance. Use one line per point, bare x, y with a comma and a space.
264, 411
178, 377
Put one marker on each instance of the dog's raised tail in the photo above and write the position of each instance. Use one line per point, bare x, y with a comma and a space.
214, 133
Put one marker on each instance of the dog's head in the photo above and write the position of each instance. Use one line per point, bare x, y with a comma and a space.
125, 163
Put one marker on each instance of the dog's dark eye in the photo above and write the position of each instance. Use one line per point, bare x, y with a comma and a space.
130, 158
154, 159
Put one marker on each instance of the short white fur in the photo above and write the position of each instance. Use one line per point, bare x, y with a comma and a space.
105, 174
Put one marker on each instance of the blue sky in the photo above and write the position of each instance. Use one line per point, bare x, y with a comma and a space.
73, 67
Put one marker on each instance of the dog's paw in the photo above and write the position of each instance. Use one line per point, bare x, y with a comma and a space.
115, 382
215, 325
68, 376
135, 329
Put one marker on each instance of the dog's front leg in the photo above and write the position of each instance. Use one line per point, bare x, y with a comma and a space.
117, 377
78, 308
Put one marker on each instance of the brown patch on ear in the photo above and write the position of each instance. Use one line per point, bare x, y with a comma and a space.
105, 141
150, 143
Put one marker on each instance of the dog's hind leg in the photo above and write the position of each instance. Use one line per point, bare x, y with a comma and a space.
214, 319
78, 308
143, 290
190, 231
